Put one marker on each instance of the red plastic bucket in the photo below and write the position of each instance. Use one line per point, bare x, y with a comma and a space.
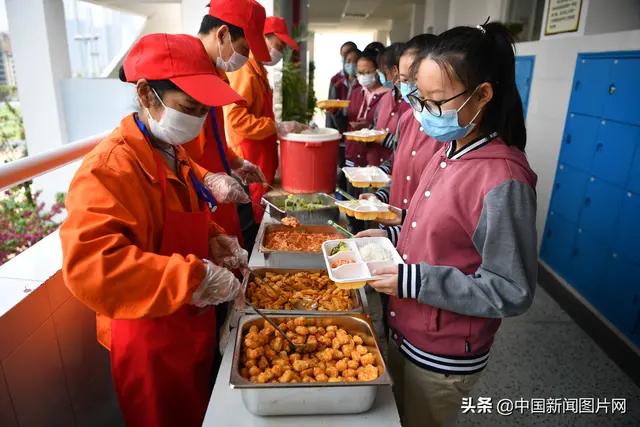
308, 161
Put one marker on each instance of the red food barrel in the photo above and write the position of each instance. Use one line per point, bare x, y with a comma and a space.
308, 161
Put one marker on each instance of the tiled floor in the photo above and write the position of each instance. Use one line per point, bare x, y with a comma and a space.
545, 354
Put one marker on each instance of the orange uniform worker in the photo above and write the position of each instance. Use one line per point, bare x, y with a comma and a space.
228, 32
137, 242
251, 128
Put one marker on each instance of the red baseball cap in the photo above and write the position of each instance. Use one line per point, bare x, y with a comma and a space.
181, 59
278, 26
248, 15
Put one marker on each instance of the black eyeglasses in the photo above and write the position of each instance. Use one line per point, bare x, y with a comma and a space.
433, 107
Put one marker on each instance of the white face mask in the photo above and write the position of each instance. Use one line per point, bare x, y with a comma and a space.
175, 127
367, 80
234, 63
276, 56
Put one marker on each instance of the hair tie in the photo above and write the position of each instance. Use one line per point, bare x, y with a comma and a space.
481, 28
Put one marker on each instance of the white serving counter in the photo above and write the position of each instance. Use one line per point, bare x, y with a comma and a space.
226, 408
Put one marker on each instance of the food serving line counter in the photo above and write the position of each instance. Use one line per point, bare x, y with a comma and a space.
226, 407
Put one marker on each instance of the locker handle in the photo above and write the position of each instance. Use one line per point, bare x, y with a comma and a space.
556, 186
577, 85
599, 147
612, 89
549, 233
587, 201
568, 138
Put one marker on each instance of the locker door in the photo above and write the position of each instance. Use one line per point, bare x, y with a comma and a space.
568, 192
627, 241
588, 265
524, 73
624, 91
558, 243
634, 175
590, 86
620, 296
614, 151
579, 141
601, 210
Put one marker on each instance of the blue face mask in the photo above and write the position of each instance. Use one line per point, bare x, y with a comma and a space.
446, 127
383, 80
350, 69
405, 89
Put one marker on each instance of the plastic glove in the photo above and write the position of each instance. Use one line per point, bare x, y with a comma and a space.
226, 251
225, 188
284, 128
249, 173
219, 285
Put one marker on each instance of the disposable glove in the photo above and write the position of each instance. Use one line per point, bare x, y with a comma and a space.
225, 188
250, 173
226, 251
219, 285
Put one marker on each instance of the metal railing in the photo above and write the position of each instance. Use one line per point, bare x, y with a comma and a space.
21, 170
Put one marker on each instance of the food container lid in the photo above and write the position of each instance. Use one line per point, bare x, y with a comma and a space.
313, 135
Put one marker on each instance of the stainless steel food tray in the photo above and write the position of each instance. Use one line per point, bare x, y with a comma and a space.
275, 206
356, 298
308, 399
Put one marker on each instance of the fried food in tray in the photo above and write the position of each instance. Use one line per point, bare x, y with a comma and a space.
296, 240
333, 103
337, 356
284, 291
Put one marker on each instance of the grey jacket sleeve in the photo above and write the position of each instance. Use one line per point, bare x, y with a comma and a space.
504, 284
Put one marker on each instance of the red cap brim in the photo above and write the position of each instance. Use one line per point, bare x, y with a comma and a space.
258, 46
288, 40
208, 89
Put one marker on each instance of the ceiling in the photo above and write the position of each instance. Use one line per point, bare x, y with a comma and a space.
357, 14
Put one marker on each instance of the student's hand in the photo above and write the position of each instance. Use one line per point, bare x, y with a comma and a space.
389, 284
397, 220
374, 232
361, 124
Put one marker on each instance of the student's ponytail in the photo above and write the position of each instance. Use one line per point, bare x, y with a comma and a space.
485, 53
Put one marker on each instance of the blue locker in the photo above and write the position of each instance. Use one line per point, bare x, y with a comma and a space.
627, 240
579, 141
624, 91
620, 296
590, 86
558, 243
588, 265
524, 74
601, 211
614, 151
568, 192
633, 183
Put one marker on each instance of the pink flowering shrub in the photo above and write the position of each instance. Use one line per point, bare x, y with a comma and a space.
24, 220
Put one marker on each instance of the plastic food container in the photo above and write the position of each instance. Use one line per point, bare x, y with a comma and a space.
351, 267
366, 210
366, 135
308, 161
310, 398
371, 176
333, 103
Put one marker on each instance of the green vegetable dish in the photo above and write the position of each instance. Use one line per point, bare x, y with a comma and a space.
296, 203
340, 247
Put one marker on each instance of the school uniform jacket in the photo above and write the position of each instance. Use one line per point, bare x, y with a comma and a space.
469, 241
